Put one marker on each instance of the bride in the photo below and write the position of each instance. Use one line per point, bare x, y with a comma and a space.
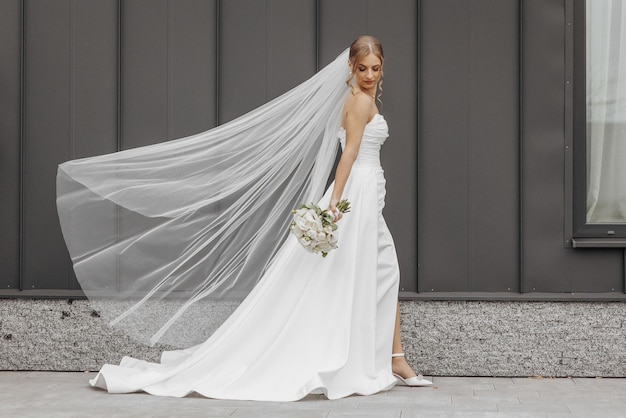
307, 324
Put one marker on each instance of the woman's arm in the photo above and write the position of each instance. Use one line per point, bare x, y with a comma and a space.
357, 110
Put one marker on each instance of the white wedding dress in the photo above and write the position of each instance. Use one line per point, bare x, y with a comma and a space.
311, 324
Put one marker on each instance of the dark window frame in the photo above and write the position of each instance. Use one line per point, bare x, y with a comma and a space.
585, 234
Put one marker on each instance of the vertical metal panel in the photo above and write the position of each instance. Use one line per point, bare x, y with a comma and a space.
493, 149
443, 223
570, 116
144, 53
94, 78
291, 42
47, 129
340, 22
395, 24
543, 70
10, 33
192, 66
267, 47
547, 265
596, 269
243, 57
94, 83
468, 233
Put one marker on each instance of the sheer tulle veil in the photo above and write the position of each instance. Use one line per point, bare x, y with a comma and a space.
166, 240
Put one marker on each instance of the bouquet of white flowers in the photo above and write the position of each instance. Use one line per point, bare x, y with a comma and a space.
315, 227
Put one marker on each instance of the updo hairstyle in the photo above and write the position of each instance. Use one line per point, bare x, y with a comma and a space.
360, 48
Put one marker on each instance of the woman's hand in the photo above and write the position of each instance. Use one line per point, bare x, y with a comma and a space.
332, 208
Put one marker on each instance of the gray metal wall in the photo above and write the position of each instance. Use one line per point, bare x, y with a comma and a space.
494, 138
102, 75
475, 96
469, 146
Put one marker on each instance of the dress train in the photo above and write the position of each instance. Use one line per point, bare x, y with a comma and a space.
311, 325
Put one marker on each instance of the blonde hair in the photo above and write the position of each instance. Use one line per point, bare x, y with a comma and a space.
360, 48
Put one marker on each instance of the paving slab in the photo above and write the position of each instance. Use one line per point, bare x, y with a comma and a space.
67, 394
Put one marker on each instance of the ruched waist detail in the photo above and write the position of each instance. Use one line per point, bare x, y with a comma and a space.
367, 163
369, 156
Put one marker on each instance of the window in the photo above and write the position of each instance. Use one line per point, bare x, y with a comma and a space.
600, 122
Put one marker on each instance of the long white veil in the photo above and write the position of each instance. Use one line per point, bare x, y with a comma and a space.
167, 239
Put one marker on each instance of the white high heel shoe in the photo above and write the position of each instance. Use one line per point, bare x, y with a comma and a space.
415, 381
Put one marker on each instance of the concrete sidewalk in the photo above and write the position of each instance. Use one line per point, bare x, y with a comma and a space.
67, 394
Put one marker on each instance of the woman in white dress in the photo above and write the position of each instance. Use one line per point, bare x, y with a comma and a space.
310, 324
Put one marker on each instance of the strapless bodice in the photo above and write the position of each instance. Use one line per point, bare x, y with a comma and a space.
374, 135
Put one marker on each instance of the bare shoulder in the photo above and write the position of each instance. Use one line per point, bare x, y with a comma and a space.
359, 102
358, 107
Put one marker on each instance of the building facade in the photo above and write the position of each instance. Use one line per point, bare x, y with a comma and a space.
492, 166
